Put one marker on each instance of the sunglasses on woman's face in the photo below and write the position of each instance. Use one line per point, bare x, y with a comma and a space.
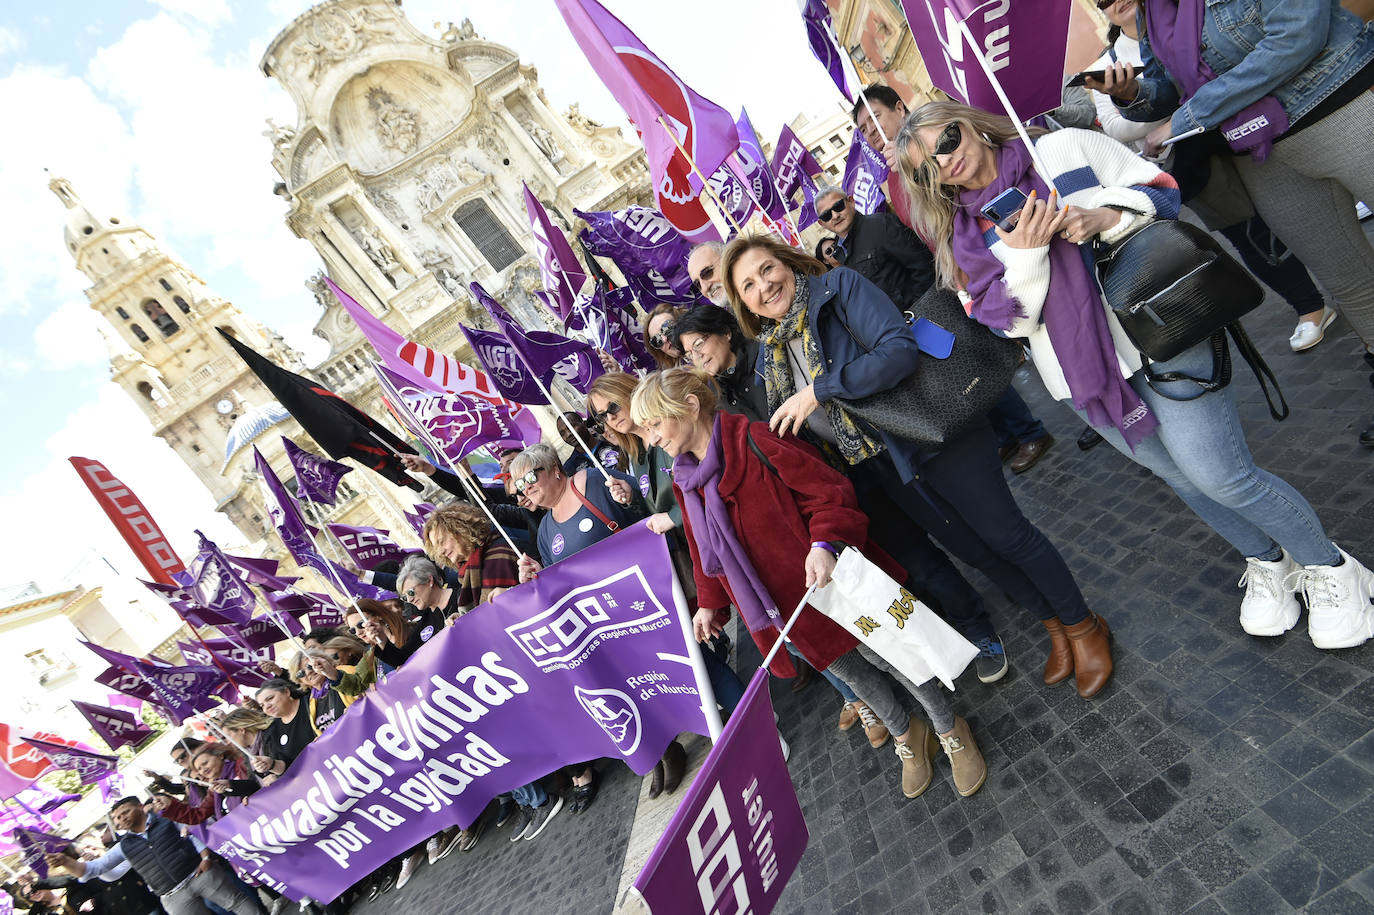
661, 339
599, 416
529, 479
834, 210
949, 140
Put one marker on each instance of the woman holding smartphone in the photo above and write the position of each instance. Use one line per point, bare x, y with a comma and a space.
1032, 281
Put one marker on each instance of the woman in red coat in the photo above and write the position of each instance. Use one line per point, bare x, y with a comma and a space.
765, 519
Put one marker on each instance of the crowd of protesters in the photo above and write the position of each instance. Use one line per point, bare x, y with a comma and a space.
745, 451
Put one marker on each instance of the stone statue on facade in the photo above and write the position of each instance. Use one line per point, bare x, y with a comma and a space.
544, 140
378, 251
397, 127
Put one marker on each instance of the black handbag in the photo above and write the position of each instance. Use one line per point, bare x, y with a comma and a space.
1171, 286
944, 397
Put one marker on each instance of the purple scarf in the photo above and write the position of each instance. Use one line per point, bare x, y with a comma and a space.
1073, 312
1175, 33
717, 545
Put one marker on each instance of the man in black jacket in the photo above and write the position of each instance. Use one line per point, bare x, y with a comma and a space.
179, 870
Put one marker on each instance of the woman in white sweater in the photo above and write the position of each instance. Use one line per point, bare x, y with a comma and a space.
1034, 282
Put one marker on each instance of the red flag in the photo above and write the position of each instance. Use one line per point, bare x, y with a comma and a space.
134, 523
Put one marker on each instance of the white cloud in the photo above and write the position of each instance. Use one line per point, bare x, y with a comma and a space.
210, 12
70, 337
50, 518
10, 40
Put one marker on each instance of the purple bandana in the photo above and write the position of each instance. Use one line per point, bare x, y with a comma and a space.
1175, 31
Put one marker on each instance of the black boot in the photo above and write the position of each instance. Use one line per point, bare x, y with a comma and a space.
1367, 436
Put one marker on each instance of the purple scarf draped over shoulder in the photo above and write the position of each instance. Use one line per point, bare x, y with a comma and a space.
717, 543
1175, 33
1073, 314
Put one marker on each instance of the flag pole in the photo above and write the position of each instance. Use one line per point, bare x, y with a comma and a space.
782, 636
858, 80
329, 540
709, 708
706, 185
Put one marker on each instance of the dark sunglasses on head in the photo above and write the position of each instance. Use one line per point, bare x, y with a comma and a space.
663, 337
599, 416
834, 210
529, 479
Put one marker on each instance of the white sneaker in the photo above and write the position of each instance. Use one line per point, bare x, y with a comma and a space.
1308, 334
1268, 607
1362, 211
432, 849
1339, 614
407, 870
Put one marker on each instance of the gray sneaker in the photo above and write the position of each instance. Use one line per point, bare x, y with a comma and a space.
991, 661
523, 817
542, 815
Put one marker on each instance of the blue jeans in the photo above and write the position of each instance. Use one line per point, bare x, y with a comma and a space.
531, 795
726, 684
1013, 422
842, 687
1200, 452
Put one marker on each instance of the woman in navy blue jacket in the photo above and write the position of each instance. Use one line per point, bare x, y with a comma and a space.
832, 337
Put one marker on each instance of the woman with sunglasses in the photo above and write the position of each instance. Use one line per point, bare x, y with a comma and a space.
1033, 282
658, 334
832, 337
829, 251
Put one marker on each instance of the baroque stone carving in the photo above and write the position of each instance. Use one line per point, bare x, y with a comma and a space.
388, 205
281, 137
377, 250
577, 119
544, 140
323, 297
397, 127
336, 34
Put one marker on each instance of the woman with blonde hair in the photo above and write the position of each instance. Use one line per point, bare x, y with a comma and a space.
766, 518
1032, 281
658, 334
829, 338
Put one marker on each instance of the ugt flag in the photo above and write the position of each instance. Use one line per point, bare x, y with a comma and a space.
455, 424
317, 478
739, 833
651, 93
1023, 42
563, 274
865, 170
117, 727
593, 650
791, 160
648, 250
91, 766
542, 351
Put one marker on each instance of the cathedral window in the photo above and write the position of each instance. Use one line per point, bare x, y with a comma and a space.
139, 333
491, 238
181, 303
165, 285
124, 315
158, 315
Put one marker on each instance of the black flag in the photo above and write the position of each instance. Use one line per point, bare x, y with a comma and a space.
340, 428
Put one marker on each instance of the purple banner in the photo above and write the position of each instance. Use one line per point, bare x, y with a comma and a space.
647, 249
545, 353
819, 33
239, 663
90, 766
739, 833
562, 272
128, 683
865, 170
368, 546
791, 160
115, 726
1024, 44
317, 478
593, 650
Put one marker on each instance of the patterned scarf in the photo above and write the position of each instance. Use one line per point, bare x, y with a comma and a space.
855, 445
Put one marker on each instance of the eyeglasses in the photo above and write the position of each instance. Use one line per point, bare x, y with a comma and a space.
949, 139
707, 275
599, 416
695, 348
529, 479
664, 335
836, 209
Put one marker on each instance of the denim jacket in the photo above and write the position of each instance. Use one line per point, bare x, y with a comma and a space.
1299, 51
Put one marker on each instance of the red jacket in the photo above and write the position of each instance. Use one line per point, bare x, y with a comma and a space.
777, 514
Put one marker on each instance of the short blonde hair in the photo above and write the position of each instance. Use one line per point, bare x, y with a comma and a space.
465, 522
792, 258
663, 395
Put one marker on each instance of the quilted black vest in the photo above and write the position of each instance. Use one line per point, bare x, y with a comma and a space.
164, 858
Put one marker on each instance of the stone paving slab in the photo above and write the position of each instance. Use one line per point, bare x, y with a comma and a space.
1216, 772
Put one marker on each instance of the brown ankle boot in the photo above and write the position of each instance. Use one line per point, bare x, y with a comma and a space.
1059, 665
1092, 654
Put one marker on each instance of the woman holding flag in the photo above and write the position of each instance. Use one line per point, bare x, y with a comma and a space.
1032, 281
766, 518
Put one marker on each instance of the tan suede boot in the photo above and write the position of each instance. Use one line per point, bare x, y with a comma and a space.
916, 752
970, 771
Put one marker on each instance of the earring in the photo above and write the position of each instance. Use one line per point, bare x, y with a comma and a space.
986, 139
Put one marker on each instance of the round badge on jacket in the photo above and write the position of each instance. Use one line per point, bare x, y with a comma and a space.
584, 525
557, 546
644, 485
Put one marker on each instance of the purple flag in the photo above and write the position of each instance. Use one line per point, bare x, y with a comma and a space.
562, 272
545, 352
219, 586
820, 34
128, 683
296, 535
454, 423
263, 631
732, 192
602, 318
648, 250
418, 517
368, 546
739, 829
791, 160
240, 663
261, 572
865, 170
181, 599
355, 586
593, 650
182, 691
656, 101
34, 844
89, 765
1024, 44
115, 726
750, 165
317, 478
503, 365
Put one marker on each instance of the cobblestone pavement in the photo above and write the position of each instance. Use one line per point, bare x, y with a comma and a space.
1216, 772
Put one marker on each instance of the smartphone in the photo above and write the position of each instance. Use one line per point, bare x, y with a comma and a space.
1080, 79
1001, 208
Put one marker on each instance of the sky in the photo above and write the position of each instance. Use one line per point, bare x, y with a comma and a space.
155, 111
